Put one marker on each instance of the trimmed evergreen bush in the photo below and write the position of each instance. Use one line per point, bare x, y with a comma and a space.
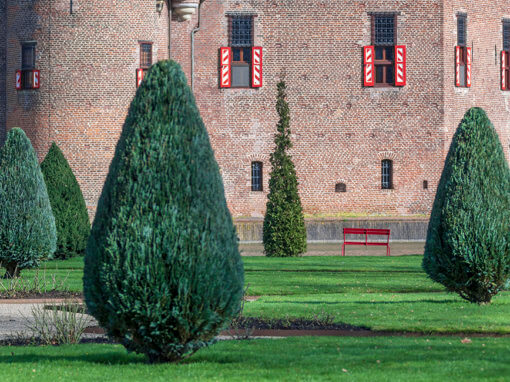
27, 226
468, 239
163, 273
284, 231
67, 203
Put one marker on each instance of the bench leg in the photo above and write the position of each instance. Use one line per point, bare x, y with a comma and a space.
388, 251
343, 249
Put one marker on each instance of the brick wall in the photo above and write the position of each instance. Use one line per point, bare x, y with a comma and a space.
341, 131
3, 25
88, 59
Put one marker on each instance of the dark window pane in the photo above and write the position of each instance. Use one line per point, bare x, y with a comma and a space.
387, 174
145, 56
241, 31
462, 75
390, 74
379, 52
27, 56
27, 77
256, 176
379, 74
340, 187
506, 36
390, 53
236, 54
240, 76
384, 30
247, 54
461, 30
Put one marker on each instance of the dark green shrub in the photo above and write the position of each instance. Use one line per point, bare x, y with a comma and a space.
284, 231
163, 273
27, 226
67, 203
468, 240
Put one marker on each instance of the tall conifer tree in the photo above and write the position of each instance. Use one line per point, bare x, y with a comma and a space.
468, 239
163, 272
284, 231
27, 225
67, 203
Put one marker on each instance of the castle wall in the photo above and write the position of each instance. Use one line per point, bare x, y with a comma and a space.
88, 60
3, 57
484, 35
341, 130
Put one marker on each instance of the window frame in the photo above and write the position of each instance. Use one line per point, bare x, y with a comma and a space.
143, 60
387, 64
257, 176
387, 184
243, 62
463, 49
27, 78
506, 41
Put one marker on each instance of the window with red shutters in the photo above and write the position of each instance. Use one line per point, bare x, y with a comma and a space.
505, 57
462, 54
27, 65
384, 36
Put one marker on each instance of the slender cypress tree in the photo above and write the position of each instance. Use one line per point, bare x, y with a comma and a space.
27, 226
468, 239
163, 273
67, 203
284, 231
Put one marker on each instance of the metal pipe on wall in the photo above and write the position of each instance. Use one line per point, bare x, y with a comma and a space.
193, 32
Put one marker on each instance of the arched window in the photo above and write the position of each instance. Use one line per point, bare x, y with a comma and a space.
387, 174
256, 176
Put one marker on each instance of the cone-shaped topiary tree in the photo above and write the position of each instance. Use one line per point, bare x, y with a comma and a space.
67, 203
27, 226
163, 272
468, 239
284, 231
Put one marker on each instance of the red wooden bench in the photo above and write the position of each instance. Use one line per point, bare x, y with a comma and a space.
367, 232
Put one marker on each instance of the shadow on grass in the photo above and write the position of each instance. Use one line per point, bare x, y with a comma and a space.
368, 302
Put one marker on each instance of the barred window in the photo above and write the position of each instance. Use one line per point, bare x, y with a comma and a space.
256, 176
387, 174
241, 31
384, 40
145, 55
461, 30
506, 35
27, 64
384, 29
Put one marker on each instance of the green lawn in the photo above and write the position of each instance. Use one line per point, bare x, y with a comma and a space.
299, 359
383, 293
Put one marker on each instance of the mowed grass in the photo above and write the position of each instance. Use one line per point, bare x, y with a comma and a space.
381, 293
290, 359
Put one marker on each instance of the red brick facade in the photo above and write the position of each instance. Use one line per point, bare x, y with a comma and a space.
341, 130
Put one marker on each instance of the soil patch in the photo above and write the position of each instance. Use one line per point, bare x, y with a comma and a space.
44, 296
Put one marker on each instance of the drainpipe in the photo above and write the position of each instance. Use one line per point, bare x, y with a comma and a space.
193, 32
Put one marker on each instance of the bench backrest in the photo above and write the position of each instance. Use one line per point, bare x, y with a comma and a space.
368, 231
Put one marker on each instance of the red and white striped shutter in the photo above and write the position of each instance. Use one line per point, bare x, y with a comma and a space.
368, 66
400, 65
225, 67
256, 67
139, 77
18, 79
457, 65
468, 67
36, 84
504, 63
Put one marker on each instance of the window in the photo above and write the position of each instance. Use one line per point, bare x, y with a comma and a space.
145, 55
384, 32
27, 64
387, 174
256, 176
505, 57
340, 187
461, 43
425, 184
241, 42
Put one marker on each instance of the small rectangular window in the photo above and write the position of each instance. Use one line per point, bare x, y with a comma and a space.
145, 55
461, 30
256, 176
387, 174
384, 31
27, 64
506, 35
241, 42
